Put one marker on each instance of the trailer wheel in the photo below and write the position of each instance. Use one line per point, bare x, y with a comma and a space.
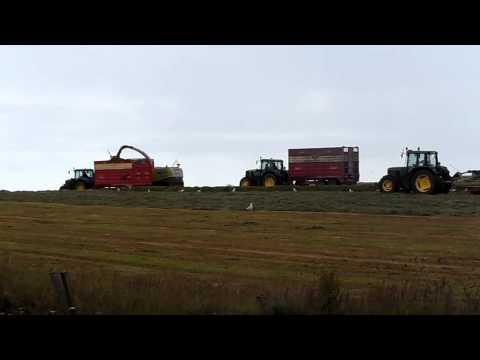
333, 182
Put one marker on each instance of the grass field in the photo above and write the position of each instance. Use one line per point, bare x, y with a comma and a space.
305, 199
151, 253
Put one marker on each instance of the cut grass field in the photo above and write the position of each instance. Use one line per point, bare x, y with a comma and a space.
456, 204
129, 258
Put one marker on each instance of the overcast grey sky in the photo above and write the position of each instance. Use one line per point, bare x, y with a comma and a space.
216, 109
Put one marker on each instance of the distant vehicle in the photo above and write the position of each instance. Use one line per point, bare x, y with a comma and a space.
119, 172
82, 179
335, 165
270, 173
468, 181
422, 174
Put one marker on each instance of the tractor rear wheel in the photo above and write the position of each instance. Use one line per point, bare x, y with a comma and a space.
424, 182
388, 184
269, 180
245, 182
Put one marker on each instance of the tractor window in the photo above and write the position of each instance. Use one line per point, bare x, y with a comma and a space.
80, 173
271, 164
412, 160
432, 159
422, 159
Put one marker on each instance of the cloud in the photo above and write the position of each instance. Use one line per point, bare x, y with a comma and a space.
315, 102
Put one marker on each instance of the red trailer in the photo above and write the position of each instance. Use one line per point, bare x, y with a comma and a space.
118, 172
337, 165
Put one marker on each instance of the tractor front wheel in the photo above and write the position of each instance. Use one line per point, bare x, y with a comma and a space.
388, 184
245, 182
424, 182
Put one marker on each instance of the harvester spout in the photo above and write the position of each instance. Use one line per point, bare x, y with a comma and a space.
132, 148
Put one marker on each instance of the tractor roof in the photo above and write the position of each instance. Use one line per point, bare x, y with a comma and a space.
422, 151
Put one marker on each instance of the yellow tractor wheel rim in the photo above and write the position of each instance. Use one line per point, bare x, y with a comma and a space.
80, 187
269, 182
245, 183
423, 183
387, 185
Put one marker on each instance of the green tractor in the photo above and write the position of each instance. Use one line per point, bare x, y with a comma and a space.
422, 174
83, 179
271, 173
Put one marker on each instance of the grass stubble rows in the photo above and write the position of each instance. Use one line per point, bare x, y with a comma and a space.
201, 253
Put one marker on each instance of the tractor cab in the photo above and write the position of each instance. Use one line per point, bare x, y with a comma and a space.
79, 173
422, 159
270, 164
83, 179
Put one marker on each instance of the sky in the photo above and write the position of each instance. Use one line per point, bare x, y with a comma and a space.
217, 109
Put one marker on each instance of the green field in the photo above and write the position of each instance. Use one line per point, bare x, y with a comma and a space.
460, 204
170, 252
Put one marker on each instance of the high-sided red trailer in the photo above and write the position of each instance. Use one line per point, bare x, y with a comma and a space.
123, 172
337, 165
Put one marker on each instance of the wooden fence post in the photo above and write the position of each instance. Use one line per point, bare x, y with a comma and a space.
60, 284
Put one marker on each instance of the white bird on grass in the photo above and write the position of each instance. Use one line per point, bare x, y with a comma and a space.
295, 190
199, 190
181, 190
233, 190
250, 207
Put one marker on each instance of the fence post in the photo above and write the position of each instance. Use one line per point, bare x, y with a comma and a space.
60, 284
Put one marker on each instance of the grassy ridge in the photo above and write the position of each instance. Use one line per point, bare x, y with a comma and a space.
457, 204
356, 187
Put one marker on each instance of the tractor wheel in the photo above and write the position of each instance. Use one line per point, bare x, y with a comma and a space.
424, 182
269, 180
388, 184
80, 186
245, 182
